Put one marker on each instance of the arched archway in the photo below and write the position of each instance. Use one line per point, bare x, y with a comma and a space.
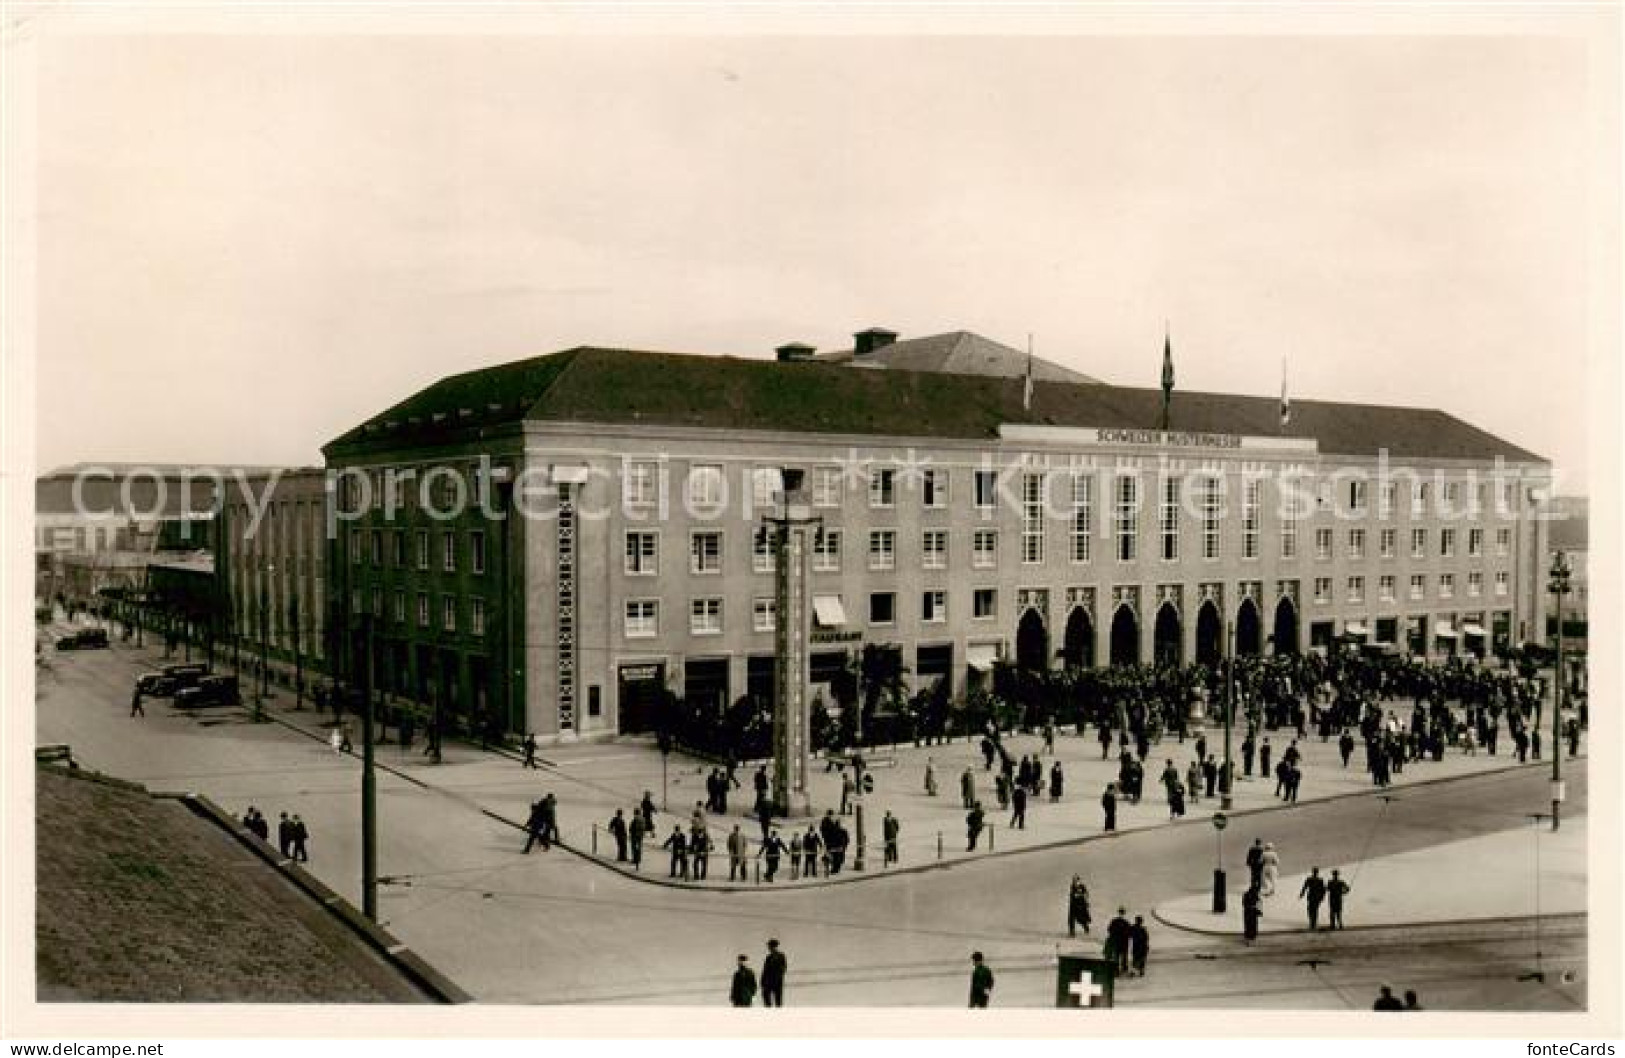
1078, 647
1125, 637
1209, 634
1167, 638
1032, 642
1286, 627
1249, 631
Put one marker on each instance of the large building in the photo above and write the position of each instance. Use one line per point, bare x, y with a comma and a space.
608, 545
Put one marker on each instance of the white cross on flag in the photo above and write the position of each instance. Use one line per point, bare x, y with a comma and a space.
1082, 983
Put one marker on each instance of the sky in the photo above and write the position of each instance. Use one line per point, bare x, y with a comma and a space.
249, 243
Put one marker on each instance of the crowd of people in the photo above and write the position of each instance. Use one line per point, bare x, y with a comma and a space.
292, 835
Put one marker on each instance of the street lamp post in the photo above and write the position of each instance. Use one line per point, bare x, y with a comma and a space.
1226, 780
787, 533
1560, 574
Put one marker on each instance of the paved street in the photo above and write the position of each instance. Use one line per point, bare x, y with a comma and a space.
555, 927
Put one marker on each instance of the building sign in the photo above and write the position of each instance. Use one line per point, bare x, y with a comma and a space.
1113, 437
836, 635
1168, 438
567, 608
640, 673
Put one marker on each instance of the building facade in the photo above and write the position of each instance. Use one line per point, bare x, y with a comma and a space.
963, 520
272, 558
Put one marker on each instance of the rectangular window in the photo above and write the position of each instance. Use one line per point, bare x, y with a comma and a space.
1356, 589
934, 549
1419, 543
423, 609
398, 607
705, 617
985, 603
1291, 510
1032, 519
1475, 543
1447, 543
1251, 508
763, 614
1503, 542
448, 613
476, 551
1475, 584
476, 616
1419, 497
641, 485
377, 549
934, 488
1127, 517
1418, 586
1323, 544
1385, 587
377, 602
705, 553
985, 549
707, 489
1452, 494
1387, 542
1357, 497
987, 488
642, 618
355, 601
1390, 497
1212, 498
1083, 514
826, 486
883, 487
423, 549
642, 554
762, 557
1447, 585
1356, 543
882, 549
1502, 582
827, 551
448, 551
766, 483
398, 541
1168, 519
882, 608
934, 607
1323, 589
356, 552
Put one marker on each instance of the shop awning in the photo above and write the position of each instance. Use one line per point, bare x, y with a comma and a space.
981, 656
1355, 628
828, 611
1445, 631
1474, 630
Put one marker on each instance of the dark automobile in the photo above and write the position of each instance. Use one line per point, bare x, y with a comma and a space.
209, 690
84, 639
171, 678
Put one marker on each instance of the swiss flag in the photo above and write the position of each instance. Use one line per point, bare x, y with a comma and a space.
1084, 982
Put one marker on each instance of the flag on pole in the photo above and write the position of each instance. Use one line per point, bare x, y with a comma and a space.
1286, 403
1027, 383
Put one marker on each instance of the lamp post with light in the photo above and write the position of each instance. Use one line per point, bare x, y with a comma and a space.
1560, 574
786, 532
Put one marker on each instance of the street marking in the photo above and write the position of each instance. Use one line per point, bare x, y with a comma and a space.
595, 760
1086, 989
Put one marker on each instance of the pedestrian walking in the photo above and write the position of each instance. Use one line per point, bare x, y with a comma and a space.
678, 844
636, 831
1264, 753
1313, 891
550, 821
536, 827
699, 852
1272, 868
981, 981
848, 788
1386, 1000
1252, 909
742, 992
284, 835
738, 845
1056, 782
530, 750
1117, 941
1176, 802
930, 778
1255, 863
773, 970
617, 830
889, 829
1210, 774
1336, 890
1248, 748
647, 807
1108, 806
1411, 1002
764, 814
772, 849
136, 708
795, 855
967, 788
1139, 943
1077, 907
811, 853
300, 834
1345, 747
335, 738
1018, 805
973, 826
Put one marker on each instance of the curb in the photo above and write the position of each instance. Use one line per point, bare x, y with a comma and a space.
441, 988
1156, 913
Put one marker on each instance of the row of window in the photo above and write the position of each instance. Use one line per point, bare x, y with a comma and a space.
706, 547
705, 614
452, 609
365, 544
1418, 587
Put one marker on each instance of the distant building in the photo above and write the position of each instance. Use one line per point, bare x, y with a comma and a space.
1570, 531
611, 550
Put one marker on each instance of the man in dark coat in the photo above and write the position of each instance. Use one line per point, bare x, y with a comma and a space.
300, 834
981, 981
1251, 911
536, 826
773, 968
1255, 863
284, 834
772, 849
1336, 889
678, 844
1313, 892
743, 990
973, 826
1018, 805
1077, 907
1345, 747
889, 829
1139, 944
1248, 748
1108, 805
1264, 753
617, 830
635, 833
1117, 940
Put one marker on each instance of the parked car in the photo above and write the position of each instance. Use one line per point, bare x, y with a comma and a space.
84, 639
209, 690
169, 679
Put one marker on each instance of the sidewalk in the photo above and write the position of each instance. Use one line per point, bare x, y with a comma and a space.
1385, 891
592, 780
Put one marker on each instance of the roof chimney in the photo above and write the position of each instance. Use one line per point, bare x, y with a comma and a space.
794, 351
866, 342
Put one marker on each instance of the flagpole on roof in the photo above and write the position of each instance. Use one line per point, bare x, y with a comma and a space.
1286, 402
1167, 372
1027, 382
